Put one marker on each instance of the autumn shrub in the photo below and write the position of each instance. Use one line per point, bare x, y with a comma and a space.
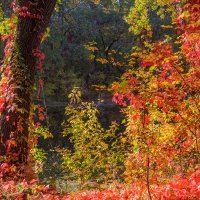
96, 154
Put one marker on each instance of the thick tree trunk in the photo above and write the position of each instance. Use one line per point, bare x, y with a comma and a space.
18, 78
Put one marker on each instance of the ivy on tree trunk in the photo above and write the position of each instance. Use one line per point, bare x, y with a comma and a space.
18, 77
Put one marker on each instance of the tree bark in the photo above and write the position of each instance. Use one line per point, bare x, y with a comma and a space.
18, 78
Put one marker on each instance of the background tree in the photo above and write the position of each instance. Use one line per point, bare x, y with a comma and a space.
82, 33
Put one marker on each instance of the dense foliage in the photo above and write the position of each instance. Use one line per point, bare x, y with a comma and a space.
153, 71
96, 155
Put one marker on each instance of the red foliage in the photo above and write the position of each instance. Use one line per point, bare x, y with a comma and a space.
178, 188
163, 92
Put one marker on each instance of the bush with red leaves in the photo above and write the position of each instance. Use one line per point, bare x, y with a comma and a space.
179, 188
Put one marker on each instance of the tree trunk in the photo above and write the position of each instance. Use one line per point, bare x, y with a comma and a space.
18, 78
